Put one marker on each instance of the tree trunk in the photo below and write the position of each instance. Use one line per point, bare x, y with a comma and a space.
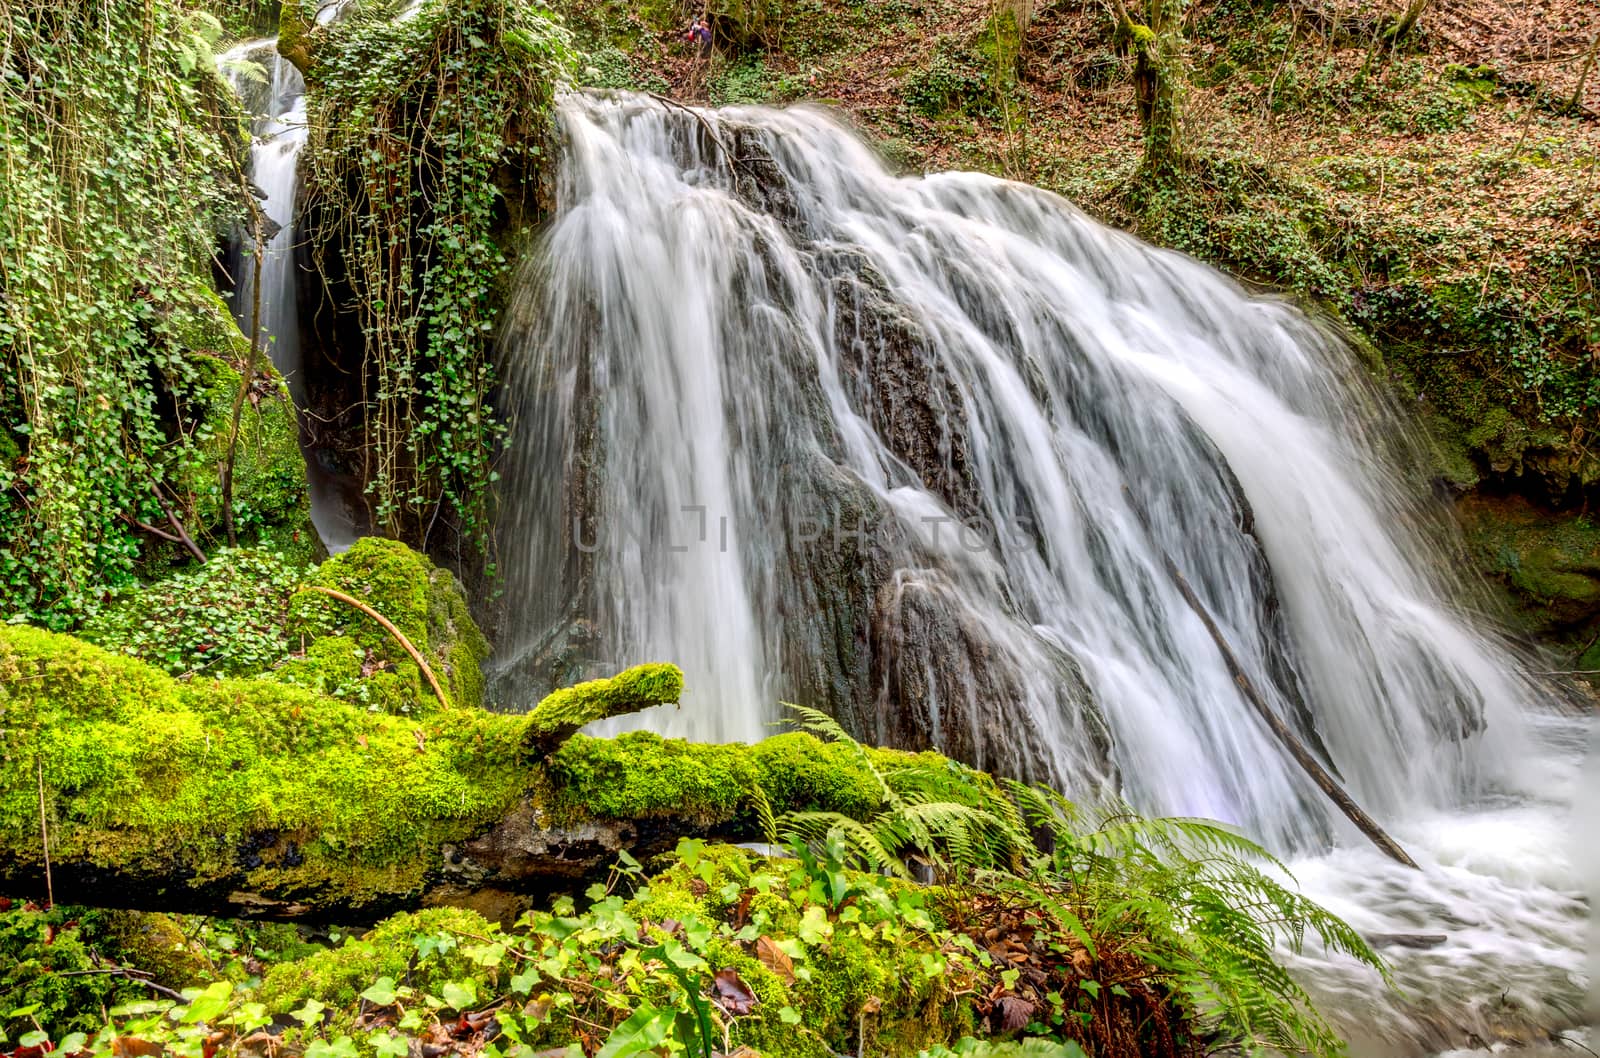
248, 798
1156, 47
1407, 21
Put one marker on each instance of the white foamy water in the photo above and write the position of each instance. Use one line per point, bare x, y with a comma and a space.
760, 382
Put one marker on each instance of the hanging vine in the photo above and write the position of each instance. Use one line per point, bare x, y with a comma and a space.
113, 181
417, 123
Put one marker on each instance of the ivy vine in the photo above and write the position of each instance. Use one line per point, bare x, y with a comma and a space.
114, 178
416, 125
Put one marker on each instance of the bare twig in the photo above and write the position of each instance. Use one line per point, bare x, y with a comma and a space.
388, 626
701, 118
128, 972
183, 536
44, 838
1583, 74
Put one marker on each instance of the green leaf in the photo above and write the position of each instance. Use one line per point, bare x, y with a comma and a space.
209, 1003
381, 993
387, 1044
789, 1015
460, 995
814, 926
311, 1011
644, 1030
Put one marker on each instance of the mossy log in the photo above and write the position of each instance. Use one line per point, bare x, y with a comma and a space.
248, 798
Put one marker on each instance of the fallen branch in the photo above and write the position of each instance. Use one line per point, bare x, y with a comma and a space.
127, 973
254, 799
1302, 756
711, 131
183, 536
388, 626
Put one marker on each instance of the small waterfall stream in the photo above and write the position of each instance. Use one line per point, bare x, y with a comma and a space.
273, 92
891, 446
278, 110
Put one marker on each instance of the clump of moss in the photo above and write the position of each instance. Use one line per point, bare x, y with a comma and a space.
210, 778
271, 503
564, 711
351, 656
641, 775
421, 948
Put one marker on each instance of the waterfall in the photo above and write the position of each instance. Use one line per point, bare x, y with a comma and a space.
275, 99
810, 429
273, 93
916, 450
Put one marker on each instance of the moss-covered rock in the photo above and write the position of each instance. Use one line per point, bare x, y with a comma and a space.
249, 798
1547, 563
350, 655
338, 976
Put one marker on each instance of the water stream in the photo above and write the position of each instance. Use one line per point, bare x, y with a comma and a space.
273, 93
915, 450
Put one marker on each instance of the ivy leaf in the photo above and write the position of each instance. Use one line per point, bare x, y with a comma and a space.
647, 1028
814, 926
381, 993
311, 1011
387, 1044
209, 1003
460, 995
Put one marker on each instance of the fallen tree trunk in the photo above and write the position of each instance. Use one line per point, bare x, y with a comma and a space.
248, 798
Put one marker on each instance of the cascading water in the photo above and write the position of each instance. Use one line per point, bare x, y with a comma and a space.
915, 449
273, 92
276, 101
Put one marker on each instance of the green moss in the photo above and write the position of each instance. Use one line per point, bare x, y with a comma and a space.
406, 947
1547, 563
209, 777
641, 775
271, 505
425, 603
638, 688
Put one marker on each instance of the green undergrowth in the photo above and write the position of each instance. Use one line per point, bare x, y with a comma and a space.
428, 136
65, 967
1129, 937
120, 155
345, 653
227, 617
250, 612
